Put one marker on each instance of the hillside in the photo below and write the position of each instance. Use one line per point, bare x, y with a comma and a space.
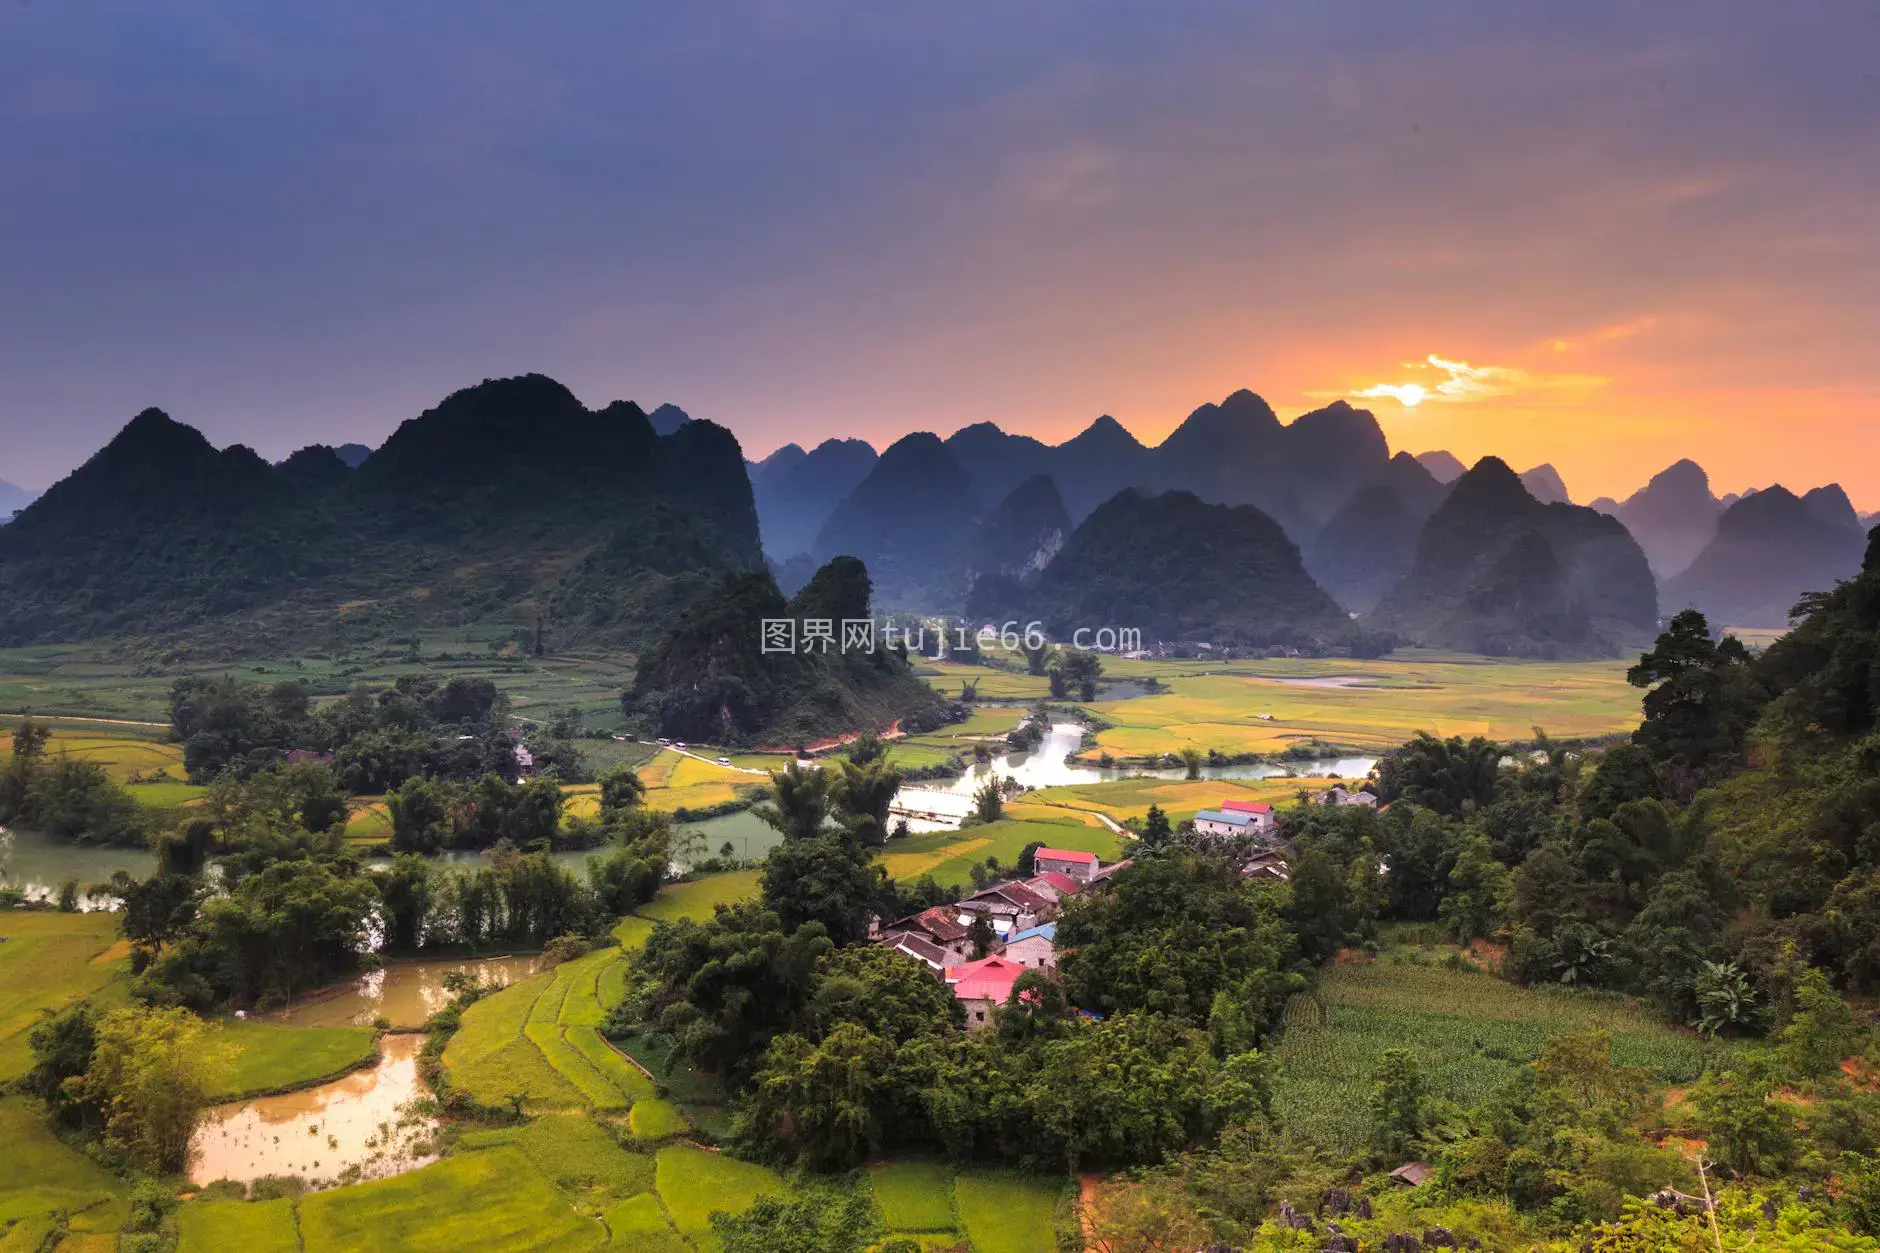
996, 461
1370, 543
1498, 572
13, 499
1771, 547
508, 502
908, 521
796, 491
1179, 568
1019, 537
711, 679
1545, 485
1098, 462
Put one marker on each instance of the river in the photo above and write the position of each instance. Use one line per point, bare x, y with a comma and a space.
404, 993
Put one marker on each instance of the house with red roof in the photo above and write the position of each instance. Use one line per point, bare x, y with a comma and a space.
1066, 861
1259, 814
982, 986
1053, 886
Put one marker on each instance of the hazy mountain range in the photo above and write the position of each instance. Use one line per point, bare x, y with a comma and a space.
511, 502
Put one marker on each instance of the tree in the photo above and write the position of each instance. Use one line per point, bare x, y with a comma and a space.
420, 817
621, 790
1443, 775
1701, 697
800, 802
1157, 835
826, 880
150, 1072
810, 1220
1748, 1132
1142, 1218
988, 800
821, 1100
1192, 759
1821, 1033
62, 1046
981, 936
864, 791
1398, 1106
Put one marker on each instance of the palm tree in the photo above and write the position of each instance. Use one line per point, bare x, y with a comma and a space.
863, 793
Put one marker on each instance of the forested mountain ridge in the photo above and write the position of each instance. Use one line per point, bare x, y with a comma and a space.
1175, 567
495, 504
1370, 543
796, 491
1498, 572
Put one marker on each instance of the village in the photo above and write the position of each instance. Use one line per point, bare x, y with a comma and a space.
982, 943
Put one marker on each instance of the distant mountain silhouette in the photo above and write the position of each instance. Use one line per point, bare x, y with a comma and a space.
1446, 466
1770, 548
668, 418
1498, 572
910, 521
1545, 485
796, 491
997, 461
352, 455
1369, 545
508, 503
13, 499
1179, 568
1020, 537
1098, 462
1672, 517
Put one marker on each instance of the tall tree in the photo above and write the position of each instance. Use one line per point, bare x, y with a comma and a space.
800, 802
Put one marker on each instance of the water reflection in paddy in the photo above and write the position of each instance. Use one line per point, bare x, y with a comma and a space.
359, 1126
404, 993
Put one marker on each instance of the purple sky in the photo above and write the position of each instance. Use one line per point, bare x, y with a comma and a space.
1645, 229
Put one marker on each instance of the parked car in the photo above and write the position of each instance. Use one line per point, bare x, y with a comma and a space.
724, 761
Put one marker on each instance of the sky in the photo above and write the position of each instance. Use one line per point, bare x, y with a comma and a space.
1603, 235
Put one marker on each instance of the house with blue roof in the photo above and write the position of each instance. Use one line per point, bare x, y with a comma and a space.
1034, 948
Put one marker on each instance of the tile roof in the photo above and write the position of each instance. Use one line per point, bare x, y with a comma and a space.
1066, 854
1056, 880
1222, 816
914, 946
1248, 807
939, 923
988, 979
1047, 930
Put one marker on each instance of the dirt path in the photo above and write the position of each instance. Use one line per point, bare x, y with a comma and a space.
1089, 1188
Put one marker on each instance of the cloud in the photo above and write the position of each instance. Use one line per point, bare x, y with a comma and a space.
1607, 334
1462, 383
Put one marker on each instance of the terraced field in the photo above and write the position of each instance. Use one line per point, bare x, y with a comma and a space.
540, 1040
47, 961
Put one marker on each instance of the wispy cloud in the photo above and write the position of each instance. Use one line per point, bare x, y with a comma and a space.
1458, 382
1607, 334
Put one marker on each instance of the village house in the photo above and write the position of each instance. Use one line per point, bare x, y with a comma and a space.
1224, 822
982, 986
1267, 865
1264, 820
934, 928
1007, 906
1034, 948
1081, 867
1054, 887
1104, 873
921, 949
1338, 794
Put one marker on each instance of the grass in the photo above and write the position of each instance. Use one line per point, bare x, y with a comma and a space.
698, 898
244, 1226
491, 1200
491, 1058
654, 1119
40, 1174
639, 1223
1470, 1031
47, 961
693, 1183
1004, 1212
271, 1057
1270, 706
914, 1196
950, 855
946, 677
1121, 799
583, 1158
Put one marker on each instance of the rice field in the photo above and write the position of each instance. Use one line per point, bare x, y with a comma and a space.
1268, 706
540, 1040
1470, 1031
950, 855
273, 1057
692, 1183
1121, 799
1006, 1212
47, 961
150, 770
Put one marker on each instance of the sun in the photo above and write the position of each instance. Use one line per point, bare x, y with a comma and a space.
1410, 395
